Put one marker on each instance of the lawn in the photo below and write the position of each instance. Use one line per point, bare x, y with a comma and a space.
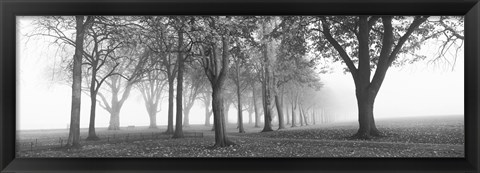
439, 136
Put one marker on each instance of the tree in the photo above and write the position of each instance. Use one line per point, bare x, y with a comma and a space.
132, 57
102, 60
267, 80
205, 97
160, 40
151, 87
195, 83
74, 132
215, 59
181, 65
237, 77
217, 75
353, 37
58, 28
128, 72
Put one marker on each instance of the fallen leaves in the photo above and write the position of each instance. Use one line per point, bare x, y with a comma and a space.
406, 138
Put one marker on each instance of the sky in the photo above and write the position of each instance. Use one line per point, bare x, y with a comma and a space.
419, 89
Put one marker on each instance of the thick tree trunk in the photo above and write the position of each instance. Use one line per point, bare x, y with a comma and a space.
74, 131
181, 65
152, 114
170, 105
114, 118
91, 127
279, 105
221, 139
367, 127
117, 106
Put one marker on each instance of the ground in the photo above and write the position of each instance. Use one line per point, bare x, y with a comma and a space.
439, 136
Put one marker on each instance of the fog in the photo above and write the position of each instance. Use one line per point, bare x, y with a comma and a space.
419, 89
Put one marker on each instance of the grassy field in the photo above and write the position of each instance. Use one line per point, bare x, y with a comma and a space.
438, 136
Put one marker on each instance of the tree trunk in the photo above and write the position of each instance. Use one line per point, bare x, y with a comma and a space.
91, 127
305, 116
221, 139
74, 131
266, 109
114, 118
266, 85
227, 109
186, 115
254, 96
171, 80
239, 100
240, 116
117, 106
293, 115
313, 116
152, 113
178, 125
300, 113
279, 105
367, 127
250, 117
288, 115
208, 113
240, 122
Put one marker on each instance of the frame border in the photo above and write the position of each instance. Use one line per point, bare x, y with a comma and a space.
11, 8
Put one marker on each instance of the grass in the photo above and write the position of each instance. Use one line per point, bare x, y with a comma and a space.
440, 136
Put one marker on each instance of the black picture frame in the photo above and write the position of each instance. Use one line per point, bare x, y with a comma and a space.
11, 8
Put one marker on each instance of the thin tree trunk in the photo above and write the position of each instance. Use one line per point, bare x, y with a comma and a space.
266, 110
208, 113
227, 109
170, 105
293, 114
305, 116
313, 116
74, 131
186, 115
288, 115
250, 117
300, 113
254, 96
239, 100
279, 105
91, 127
178, 125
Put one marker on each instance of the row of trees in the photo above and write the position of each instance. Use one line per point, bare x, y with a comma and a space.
207, 54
